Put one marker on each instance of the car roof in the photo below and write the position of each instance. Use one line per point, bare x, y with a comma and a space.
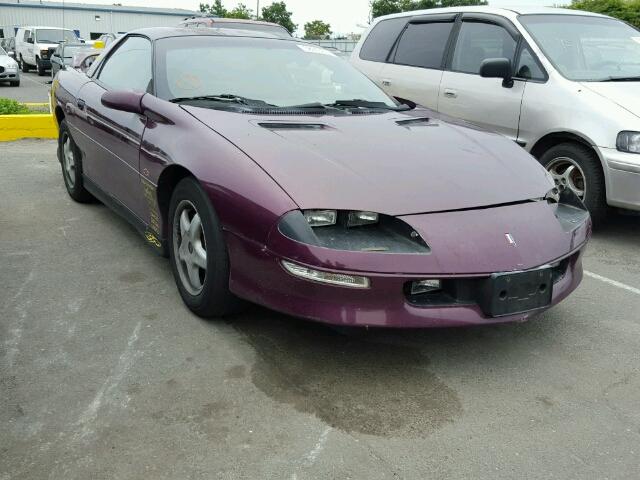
36, 27
231, 20
509, 12
155, 33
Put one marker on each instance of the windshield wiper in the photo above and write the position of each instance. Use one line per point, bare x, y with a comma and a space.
622, 79
357, 103
225, 97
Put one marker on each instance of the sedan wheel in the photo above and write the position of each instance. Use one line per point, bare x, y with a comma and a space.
567, 173
68, 160
190, 247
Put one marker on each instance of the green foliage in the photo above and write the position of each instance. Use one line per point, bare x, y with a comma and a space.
626, 10
317, 30
277, 13
387, 7
241, 11
216, 8
12, 107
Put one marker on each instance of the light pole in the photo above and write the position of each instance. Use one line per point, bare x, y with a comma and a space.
257, 9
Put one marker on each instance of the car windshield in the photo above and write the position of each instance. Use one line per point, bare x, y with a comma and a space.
585, 48
55, 35
277, 72
70, 50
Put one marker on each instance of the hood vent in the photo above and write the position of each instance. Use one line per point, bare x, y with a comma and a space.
292, 126
416, 122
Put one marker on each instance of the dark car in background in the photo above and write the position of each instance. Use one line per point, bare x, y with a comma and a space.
291, 180
63, 54
236, 24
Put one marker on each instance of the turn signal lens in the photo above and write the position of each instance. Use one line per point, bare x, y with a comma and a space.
425, 286
320, 218
357, 219
628, 142
341, 279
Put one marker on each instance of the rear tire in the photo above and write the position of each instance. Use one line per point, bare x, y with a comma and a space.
71, 162
588, 167
196, 241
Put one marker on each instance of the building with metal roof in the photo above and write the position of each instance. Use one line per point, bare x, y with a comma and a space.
88, 20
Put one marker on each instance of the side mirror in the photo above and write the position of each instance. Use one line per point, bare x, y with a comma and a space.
497, 68
124, 101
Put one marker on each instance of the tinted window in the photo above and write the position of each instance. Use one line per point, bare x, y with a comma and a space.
378, 44
479, 41
129, 67
423, 44
527, 66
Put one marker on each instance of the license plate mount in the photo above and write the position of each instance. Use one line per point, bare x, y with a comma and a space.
517, 292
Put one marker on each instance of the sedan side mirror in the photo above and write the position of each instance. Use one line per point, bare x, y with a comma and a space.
497, 68
124, 101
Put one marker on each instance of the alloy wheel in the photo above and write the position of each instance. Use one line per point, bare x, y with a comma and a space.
68, 160
567, 173
189, 247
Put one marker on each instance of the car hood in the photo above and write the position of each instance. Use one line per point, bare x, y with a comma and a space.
392, 163
624, 94
7, 61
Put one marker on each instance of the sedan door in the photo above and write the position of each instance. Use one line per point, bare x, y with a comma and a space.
416, 67
465, 94
113, 138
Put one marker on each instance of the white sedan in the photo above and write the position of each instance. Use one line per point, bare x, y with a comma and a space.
9, 69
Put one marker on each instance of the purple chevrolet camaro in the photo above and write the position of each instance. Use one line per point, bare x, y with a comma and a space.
270, 170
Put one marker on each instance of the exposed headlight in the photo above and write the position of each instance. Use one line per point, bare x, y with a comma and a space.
360, 231
340, 279
357, 219
628, 142
320, 218
425, 286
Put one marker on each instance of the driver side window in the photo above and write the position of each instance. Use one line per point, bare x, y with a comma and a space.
129, 67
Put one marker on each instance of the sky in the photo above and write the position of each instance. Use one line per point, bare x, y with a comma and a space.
344, 16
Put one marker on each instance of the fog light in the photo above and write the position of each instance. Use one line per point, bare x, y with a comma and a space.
341, 279
425, 286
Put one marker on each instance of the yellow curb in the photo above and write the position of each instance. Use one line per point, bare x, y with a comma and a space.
16, 127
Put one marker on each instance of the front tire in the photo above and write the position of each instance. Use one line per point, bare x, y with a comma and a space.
40, 67
577, 167
198, 252
71, 161
23, 65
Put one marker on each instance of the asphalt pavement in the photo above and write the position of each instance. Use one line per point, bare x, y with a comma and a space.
32, 89
104, 373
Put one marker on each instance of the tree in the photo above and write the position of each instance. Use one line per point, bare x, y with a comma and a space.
387, 7
241, 11
277, 13
216, 8
317, 30
626, 10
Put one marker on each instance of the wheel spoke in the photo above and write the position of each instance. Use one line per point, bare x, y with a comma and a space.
195, 227
184, 224
194, 275
200, 255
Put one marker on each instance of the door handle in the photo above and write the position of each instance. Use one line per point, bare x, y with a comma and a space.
449, 93
81, 104
386, 83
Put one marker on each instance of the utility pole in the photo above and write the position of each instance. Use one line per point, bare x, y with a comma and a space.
257, 9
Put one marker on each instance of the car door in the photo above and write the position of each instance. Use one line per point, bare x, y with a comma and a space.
27, 53
115, 135
417, 63
464, 93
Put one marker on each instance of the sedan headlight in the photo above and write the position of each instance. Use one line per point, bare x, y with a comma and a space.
628, 142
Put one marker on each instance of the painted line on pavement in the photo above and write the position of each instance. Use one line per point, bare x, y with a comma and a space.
615, 283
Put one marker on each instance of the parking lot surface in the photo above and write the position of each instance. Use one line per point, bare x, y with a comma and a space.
32, 89
106, 375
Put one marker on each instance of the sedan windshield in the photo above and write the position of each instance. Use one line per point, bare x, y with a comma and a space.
55, 35
585, 48
275, 72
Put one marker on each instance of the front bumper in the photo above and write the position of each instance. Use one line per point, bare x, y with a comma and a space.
257, 275
623, 178
9, 75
